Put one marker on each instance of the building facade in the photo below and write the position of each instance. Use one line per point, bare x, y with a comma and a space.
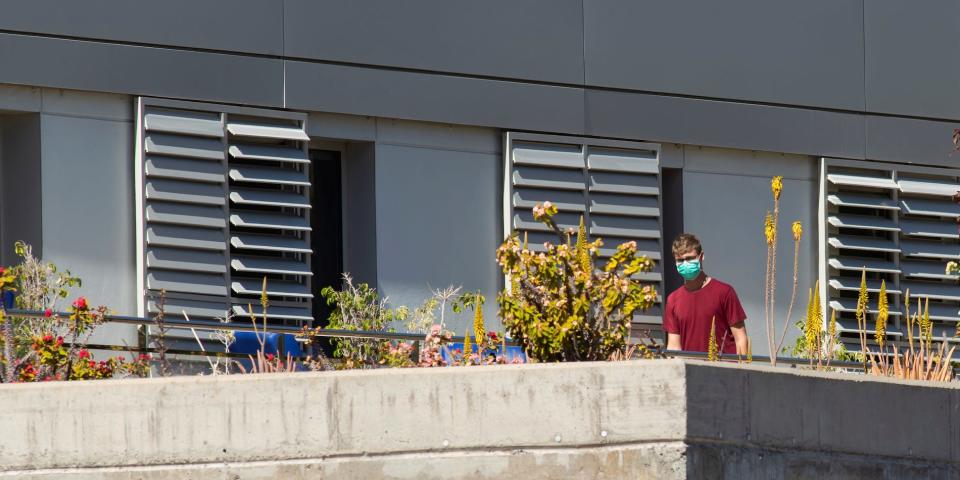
196, 147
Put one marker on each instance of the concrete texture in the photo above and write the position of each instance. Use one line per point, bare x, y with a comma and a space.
646, 419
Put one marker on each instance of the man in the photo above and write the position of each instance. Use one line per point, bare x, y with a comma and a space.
701, 300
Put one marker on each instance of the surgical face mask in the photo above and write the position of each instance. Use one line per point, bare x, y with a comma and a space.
689, 269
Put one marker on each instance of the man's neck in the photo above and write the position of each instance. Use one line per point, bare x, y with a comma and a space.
697, 283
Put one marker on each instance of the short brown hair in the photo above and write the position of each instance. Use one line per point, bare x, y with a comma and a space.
686, 242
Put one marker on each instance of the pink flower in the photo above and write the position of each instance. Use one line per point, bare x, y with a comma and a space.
435, 329
80, 303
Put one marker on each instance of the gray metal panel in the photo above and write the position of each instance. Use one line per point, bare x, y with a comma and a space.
187, 260
724, 124
198, 283
183, 169
910, 140
436, 98
42, 61
182, 214
804, 53
254, 26
911, 57
532, 39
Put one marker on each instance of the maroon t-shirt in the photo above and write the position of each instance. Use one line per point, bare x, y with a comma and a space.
688, 314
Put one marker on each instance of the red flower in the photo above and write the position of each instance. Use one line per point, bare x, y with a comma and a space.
143, 357
47, 338
269, 357
59, 341
3, 270
80, 303
83, 354
48, 313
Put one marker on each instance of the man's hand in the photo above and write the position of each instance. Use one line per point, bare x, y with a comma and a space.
739, 337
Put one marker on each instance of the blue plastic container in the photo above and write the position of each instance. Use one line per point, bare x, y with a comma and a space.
9, 298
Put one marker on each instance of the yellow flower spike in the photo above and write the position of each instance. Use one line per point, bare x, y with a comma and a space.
832, 331
797, 231
776, 186
713, 350
884, 313
467, 348
479, 331
769, 229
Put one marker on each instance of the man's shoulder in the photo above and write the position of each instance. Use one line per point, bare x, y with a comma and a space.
722, 286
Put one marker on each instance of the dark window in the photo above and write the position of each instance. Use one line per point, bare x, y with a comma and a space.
326, 219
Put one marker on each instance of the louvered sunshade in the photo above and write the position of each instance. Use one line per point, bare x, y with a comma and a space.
614, 185
224, 200
899, 223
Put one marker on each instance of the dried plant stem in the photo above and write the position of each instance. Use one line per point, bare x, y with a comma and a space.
9, 368
793, 294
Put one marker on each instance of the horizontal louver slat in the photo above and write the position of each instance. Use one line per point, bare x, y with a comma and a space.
609, 182
863, 222
268, 220
276, 132
273, 312
928, 228
930, 249
184, 192
548, 155
187, 122
268, 153
928, 187
631, 205
185, 237
196, 309
921, 269
934, 290
184, 214
180, 146
187, 260
931, 208
608, 225
863, 200
184, 169
275, 243
569, 201
869, 244
271, 198
610, 160
850, 305
535, 177
185, 282
857, 264
862, 181
852, 284
269, 265
280, 288
274, 176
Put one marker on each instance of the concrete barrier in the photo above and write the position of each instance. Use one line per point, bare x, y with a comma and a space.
644, 419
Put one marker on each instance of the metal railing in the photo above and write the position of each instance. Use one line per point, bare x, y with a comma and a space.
791, 362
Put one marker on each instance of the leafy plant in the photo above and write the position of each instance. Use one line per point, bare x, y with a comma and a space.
559, 307
359, 307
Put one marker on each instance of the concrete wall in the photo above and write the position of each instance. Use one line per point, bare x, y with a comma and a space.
647, 419
726, 194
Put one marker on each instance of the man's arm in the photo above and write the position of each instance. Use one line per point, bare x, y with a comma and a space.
673, 341
739, 337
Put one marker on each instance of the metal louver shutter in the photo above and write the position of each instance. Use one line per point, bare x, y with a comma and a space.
615, 185
223, 200
899, 223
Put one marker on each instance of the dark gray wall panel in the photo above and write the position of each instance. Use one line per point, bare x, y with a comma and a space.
805, 53
236, 25
911, 57
724, 124
436, 98
103, 67
911, 141
530, 39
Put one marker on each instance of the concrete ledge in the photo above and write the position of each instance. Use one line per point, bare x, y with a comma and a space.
661, 419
